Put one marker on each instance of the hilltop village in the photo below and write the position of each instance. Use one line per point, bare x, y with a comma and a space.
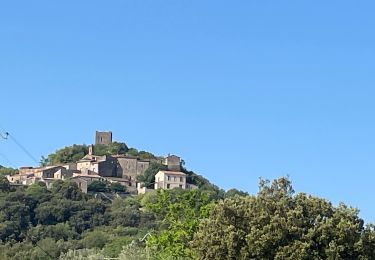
114, 168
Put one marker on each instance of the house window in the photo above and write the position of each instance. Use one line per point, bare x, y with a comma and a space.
168, 186
180, 186
180, 179
169, 178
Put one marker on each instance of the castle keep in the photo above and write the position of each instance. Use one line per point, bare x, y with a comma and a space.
103, 138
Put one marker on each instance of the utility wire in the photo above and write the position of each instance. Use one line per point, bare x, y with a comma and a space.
23, 148
36, 243
6, 159
5, 136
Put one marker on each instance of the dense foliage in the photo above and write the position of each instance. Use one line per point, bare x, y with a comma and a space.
63, 223
67, 154
103, 186
112, 148
143, 155
7, 171
34, 219
76, 152
277, 224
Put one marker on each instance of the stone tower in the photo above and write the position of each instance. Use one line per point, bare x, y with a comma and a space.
103, 138
173, 163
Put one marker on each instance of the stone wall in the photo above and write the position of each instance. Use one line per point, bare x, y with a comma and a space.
173, 162
127, 167
103, 138
108, 168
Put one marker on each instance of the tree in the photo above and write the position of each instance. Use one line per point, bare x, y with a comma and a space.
112, 148
43, 161
182, 211
7, 171
4, 184
97, 186
69, 190
148, 177
125, 212
233, 192
68, 154
277, 224
117, 187
141, 154
39, 192
95, 239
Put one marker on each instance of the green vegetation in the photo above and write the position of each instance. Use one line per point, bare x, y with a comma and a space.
141, 154
113, 148
68, 154
276, 223
102, 186
148, 177
7, 171
76, 152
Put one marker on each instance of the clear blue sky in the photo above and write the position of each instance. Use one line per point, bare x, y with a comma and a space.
239, 89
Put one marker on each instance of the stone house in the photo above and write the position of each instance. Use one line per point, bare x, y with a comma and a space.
81, 182
62, 174
54, 172
170, 180
105, 166
19, 178
130, 167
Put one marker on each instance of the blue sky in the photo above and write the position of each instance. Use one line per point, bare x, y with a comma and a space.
239, 89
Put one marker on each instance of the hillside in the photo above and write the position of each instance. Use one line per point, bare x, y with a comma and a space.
63, 223
73, 153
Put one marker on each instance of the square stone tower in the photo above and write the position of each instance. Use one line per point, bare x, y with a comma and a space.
173, 162
103, 138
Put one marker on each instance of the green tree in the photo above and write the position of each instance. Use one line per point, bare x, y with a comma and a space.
110, 149
70, 191
125, 212
68, 154
148, 177
39, 192
182, 211
117, 187
277, 224
7, 171
43, 161
233, 192
97, 186
95, 239
141, 154
4, 184
16, 215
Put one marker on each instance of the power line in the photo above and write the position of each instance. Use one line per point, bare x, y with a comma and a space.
6, 159
5, 136
22, 148
36, 243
